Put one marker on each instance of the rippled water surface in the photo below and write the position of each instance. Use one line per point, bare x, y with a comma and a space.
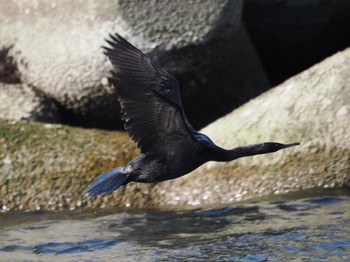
312, 226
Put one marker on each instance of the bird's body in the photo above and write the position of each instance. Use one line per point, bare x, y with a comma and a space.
154, 118
153, 168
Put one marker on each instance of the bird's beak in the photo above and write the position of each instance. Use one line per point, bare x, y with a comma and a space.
290, 145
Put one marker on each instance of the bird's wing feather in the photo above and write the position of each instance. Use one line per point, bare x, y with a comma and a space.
149, 99
130, 61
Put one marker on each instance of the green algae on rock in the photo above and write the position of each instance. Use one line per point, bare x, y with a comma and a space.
45, 166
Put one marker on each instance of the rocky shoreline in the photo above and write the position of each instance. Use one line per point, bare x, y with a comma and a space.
225, 55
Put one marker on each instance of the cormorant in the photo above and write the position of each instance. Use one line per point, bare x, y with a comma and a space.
154, 118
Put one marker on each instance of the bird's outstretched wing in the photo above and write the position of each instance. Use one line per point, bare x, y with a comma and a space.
149, 98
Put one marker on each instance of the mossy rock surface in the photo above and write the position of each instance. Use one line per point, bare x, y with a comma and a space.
44, 166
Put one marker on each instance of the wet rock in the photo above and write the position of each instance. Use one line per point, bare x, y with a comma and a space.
21, 102
48, 166
64, 60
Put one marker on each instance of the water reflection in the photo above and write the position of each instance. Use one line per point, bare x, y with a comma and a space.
182, 228
309, 228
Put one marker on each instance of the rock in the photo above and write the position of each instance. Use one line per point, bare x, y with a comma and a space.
63, 59
201, 43
21, 102
48, 166
290, 36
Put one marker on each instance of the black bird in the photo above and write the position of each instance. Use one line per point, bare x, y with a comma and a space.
154, 118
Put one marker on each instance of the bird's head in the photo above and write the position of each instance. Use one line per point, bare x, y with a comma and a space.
268, 147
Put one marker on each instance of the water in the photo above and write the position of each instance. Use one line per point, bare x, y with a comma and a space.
309, 226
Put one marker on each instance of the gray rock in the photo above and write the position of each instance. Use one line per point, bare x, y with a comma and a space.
21, 102
44, 166
57, 47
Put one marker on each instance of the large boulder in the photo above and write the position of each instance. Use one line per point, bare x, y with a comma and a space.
46, 166
56, 47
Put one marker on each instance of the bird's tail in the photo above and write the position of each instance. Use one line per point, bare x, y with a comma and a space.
107, 182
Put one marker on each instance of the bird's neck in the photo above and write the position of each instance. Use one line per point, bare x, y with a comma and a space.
241, 151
